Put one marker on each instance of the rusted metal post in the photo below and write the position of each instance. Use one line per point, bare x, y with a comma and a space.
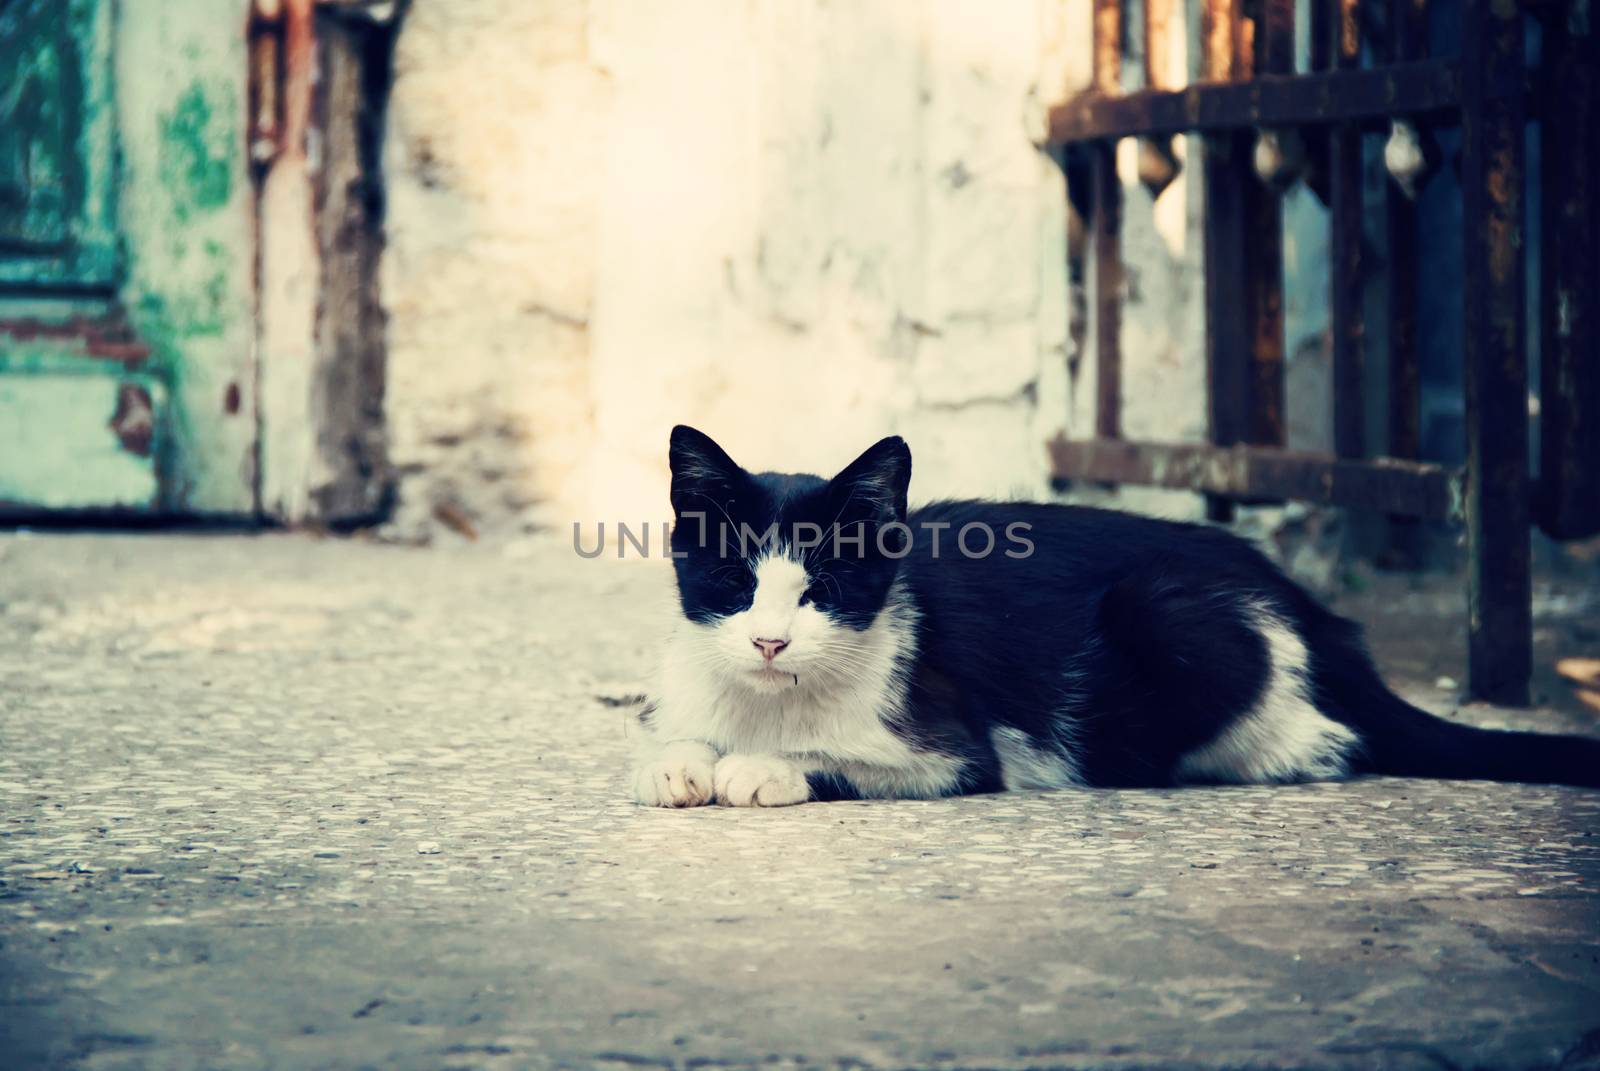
1569, 377
265, 107
1107, 253
1163, 25
1407, 42
1321, 34
1263, 205
1408, 30
1227, 172
1499, 591
299, 78
1107, 46
1079, 207
1408, 488
1347, 327
1367, 97
1106, 229
1163, 21
1217, 18
1275, 37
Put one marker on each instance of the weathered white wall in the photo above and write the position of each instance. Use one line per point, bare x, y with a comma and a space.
497, 129
798, 226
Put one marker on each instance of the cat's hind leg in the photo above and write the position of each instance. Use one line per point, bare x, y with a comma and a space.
1283, 736
1199, 679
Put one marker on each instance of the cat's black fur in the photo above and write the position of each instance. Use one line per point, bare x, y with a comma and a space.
1128, 639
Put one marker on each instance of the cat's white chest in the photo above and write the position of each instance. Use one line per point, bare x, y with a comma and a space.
844, 726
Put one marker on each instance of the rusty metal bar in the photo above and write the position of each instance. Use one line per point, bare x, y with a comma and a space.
1263, 268
1106, 226
1106, 229
264, 114
299, 75
1322, 65
1347, 326
1216, 41
1405, 379
1425, 88
1408, 30
1108, 46
1407, 488
1499, 625
1227, 177
1228, 335
1275, 37
1080, 209
1163, 21
1321, 36
1569, 377
1407, 41
281, 75
1263, 209
1346, 32
1163, 25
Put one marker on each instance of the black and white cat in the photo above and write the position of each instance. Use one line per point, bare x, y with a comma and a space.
834, 645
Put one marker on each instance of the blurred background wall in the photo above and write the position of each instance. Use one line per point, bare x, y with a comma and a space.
492, 250
798, 226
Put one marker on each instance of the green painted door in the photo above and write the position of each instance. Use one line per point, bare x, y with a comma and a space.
56, 146
81, 414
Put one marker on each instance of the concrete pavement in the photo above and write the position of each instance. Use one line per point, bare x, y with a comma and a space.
277, 802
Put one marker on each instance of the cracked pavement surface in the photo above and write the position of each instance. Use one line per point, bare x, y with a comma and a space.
278, 802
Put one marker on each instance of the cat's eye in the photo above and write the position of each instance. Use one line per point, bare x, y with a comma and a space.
811, 595
731, 579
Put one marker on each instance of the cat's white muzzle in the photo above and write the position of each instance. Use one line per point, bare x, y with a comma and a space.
771, 678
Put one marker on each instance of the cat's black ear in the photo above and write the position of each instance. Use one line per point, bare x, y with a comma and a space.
700, 468
876, 482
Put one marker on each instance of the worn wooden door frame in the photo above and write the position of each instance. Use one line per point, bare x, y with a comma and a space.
319, 72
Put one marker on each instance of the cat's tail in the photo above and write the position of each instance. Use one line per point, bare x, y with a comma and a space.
1405, 741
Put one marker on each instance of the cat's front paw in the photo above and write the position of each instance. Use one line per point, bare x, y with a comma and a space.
760, 781
679, 775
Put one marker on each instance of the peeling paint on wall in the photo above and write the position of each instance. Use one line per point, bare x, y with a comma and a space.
56, 145
186, 227
801, 226
67, 427
198, 153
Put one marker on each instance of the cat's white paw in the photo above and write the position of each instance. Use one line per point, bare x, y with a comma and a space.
679, 775
760, 781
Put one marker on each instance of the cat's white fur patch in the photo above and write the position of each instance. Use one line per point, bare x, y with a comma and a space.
1283, 737
677, 774
1024, 764
760, 781
827, 702
775, 612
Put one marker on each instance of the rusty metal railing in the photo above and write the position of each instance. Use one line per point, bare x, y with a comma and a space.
1264, 126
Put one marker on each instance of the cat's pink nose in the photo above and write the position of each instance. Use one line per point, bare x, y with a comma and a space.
770, 648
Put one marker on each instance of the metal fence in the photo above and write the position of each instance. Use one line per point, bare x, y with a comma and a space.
1265, 125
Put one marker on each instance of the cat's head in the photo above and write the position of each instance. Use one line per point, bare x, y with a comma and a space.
783, 577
